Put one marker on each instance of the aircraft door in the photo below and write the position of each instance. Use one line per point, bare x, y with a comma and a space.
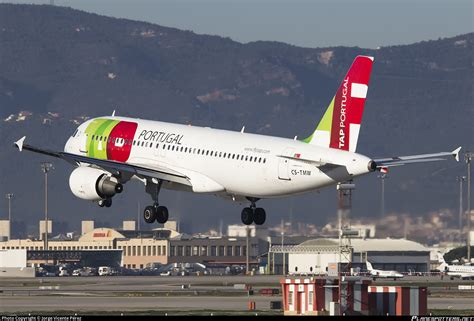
83, 145
284, 165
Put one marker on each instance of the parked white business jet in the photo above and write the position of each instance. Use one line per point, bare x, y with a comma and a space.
465, 272
382, 273
109, 151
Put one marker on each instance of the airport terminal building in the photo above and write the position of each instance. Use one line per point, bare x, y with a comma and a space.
134, 249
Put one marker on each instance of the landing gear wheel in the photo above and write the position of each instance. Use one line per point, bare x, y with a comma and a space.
259, 216
247, 216
162, 214
149, 214
105, 202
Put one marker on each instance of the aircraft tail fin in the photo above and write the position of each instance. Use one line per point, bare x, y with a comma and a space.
443, 265
340, 125
369, 266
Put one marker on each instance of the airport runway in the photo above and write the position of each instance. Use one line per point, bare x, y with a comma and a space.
155, 294
451, 303
80, 304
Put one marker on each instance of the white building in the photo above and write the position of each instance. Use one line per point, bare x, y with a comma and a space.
240, 230
13, 263
314, 256
12, 258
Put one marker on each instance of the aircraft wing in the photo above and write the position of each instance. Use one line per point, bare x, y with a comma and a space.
157, 171
403, 160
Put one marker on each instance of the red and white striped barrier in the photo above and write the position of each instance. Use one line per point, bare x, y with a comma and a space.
313, 296
398, 300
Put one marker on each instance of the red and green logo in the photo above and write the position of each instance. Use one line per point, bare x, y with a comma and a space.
110, 139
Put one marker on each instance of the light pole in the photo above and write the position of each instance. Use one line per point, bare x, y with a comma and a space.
247, 251
468, 156
283, 252
46, 167
461, 179
382, 196
9, 196
282, 243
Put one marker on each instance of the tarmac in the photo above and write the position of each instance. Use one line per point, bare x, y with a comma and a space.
195, 294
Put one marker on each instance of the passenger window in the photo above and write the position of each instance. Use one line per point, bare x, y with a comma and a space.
169, 147
182, 148
246, 158
225, 155
186, 150
133, 143
157, 145
251, 158
264, 160
92, 137
207, 152
233, 156
260, 160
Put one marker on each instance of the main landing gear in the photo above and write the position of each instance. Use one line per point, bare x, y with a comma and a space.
155, 211
253, 214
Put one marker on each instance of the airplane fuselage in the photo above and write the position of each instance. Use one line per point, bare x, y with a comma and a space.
227, 163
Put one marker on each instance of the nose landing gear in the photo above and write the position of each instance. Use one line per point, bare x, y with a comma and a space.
107, 202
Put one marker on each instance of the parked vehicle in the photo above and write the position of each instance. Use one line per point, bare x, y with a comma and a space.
105, 270
63, 271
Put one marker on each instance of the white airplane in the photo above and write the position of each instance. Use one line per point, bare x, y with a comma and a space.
460, 271
382, 273
109, 151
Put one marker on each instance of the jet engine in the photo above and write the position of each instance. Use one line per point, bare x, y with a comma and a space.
93, 184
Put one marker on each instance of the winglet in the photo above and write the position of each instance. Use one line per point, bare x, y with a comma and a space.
456, 153
19, 143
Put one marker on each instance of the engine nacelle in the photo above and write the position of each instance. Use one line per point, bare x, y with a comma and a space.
93, 184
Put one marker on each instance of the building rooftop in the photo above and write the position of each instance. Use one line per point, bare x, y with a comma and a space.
365, 245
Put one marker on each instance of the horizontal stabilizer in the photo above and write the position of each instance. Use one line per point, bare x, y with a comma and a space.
422, 158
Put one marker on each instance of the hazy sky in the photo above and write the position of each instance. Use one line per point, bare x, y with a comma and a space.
317, 23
